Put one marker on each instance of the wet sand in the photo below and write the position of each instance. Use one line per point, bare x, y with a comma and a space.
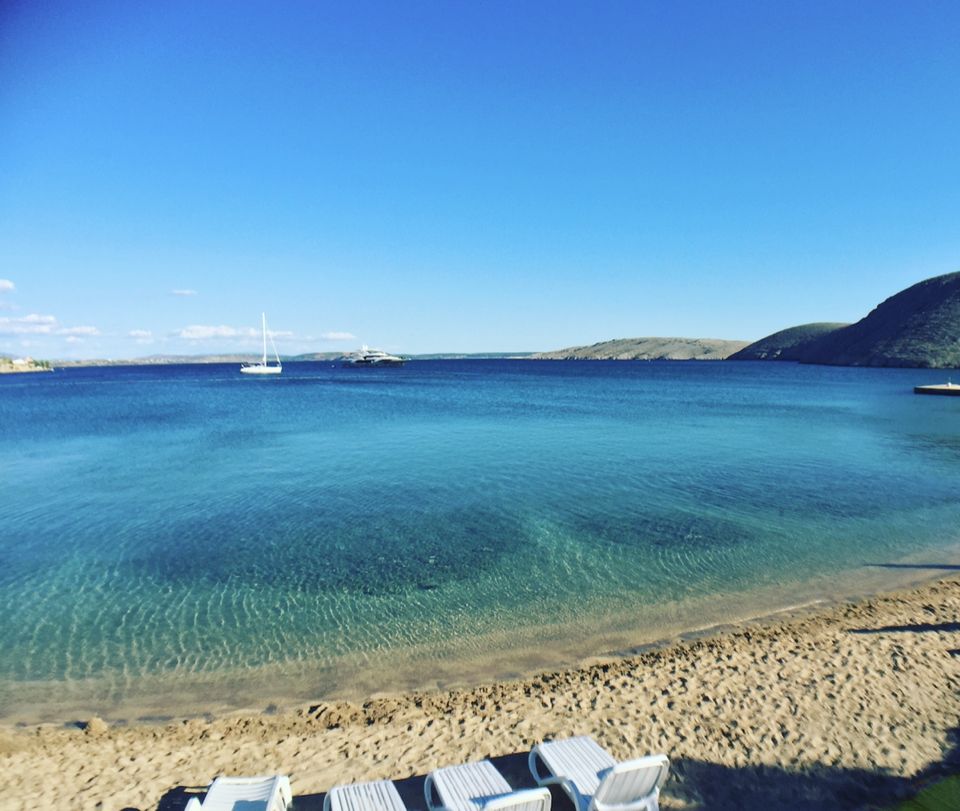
850, 706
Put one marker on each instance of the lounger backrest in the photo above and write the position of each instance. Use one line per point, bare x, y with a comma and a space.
632, 780
253, 793
533, 799
378, 795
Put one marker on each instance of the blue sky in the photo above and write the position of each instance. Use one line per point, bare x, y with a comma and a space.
466, 176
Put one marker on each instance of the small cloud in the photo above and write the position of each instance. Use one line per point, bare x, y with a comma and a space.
6, 286
338, 336
185, 292
73, 339
141, 336
32, 324
78, 331
199, 332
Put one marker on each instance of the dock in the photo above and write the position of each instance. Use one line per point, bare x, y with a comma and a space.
949, 389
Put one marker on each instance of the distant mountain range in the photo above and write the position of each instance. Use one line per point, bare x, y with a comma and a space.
648, 349
429, 356
170, 360
918, 327
160, 360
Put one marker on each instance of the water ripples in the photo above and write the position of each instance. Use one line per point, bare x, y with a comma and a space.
209, 526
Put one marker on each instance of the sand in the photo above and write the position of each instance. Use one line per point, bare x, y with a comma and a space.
850, 707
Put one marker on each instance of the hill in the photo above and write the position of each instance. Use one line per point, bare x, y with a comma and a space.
917, 327
648, 349
309, 356
788, 344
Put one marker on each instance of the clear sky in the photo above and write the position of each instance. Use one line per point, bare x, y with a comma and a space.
466, 176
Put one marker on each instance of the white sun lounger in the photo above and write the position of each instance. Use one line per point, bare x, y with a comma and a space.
245, 794
380, 795
479, 787
597, 782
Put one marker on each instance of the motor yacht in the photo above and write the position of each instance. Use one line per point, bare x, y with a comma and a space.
372, 357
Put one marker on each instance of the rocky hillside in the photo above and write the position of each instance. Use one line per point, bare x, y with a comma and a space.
918, 327
648, 349
788, 344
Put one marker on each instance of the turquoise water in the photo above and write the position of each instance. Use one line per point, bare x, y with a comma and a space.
184, 534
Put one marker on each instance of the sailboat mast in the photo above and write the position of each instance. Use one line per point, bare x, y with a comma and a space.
264, 316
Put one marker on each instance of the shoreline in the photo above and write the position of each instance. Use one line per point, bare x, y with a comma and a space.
161, 698
852, 701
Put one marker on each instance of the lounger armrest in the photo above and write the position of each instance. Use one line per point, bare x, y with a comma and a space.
193, 804
286, 794
428, 795
549, 779
535, 799
542, 780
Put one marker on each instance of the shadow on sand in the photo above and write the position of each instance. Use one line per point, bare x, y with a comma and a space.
712, 787
921, 628
703, 785
176, 799
947, 567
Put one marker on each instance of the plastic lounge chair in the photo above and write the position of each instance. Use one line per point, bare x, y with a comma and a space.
597, 782
380, 795
245, 794
476, 786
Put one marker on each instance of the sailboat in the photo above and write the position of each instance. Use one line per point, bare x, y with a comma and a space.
263, 368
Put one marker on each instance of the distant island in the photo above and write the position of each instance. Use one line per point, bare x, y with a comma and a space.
427, 356
918, 327
473, 356
159, 360
648, 349
10, 365
238, 358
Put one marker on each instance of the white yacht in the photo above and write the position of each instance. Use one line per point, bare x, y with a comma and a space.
263, 368
372, 357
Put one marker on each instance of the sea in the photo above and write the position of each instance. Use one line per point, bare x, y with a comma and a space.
180, 540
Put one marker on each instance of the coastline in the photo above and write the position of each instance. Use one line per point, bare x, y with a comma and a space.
841, 704
12, 370
515, 653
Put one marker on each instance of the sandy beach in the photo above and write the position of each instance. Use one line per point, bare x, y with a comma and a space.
852, 706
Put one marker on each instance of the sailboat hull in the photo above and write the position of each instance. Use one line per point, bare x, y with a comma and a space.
261, 370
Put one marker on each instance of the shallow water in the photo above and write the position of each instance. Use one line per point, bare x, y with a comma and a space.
182, 536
